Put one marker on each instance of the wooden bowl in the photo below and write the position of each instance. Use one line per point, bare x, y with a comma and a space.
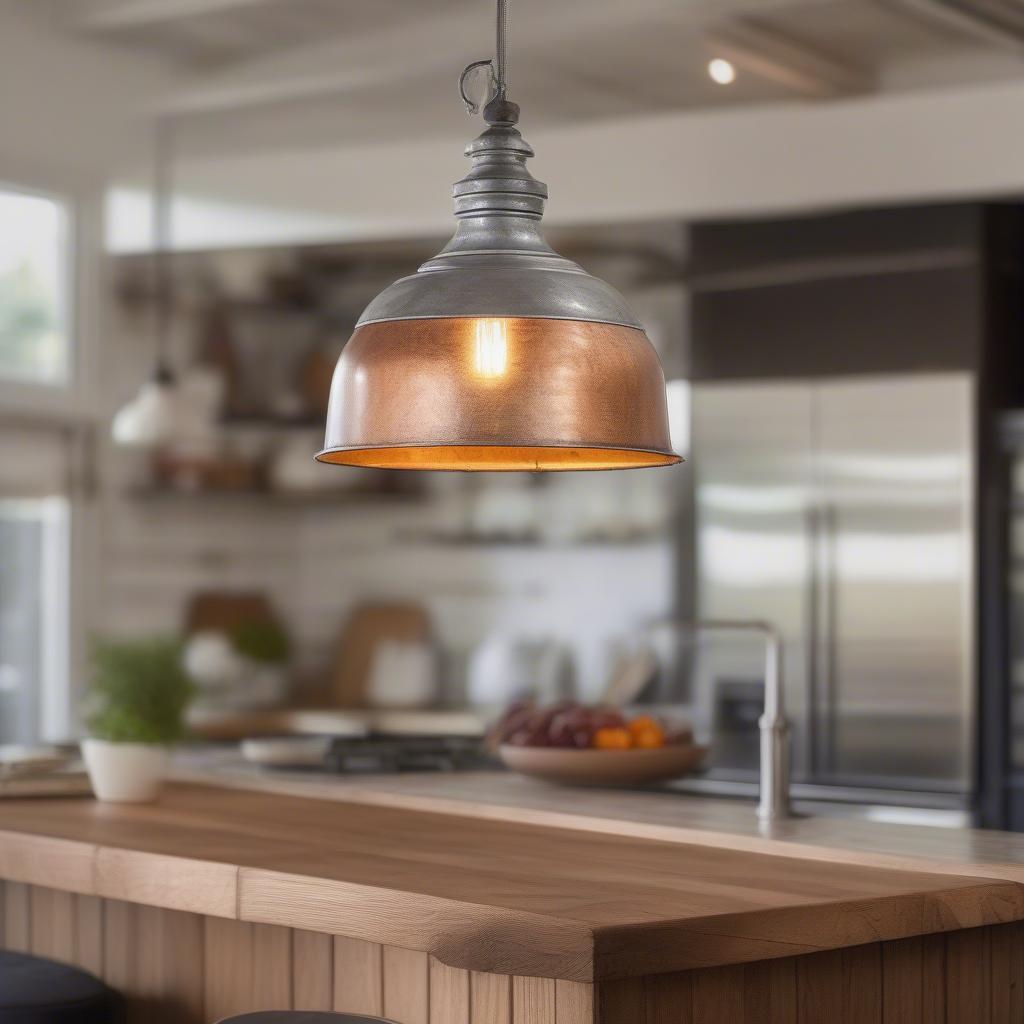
603, 767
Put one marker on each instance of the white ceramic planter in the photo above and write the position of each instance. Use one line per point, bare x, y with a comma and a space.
125, 772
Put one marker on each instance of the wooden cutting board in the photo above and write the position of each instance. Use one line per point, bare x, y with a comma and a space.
368, 626
224, 610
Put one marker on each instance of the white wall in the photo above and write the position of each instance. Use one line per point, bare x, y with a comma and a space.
316, 563
68, 107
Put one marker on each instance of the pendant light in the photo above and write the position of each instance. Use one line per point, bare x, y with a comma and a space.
498, 354
152, 417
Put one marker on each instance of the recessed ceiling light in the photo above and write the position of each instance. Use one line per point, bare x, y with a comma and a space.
722, 71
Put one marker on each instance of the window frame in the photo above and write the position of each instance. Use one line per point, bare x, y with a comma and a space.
68, 298
73, 407
52, 708
75, 396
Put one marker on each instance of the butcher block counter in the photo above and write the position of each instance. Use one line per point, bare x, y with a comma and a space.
217, 900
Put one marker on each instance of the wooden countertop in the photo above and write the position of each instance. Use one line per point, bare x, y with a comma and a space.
651, 814
477, 892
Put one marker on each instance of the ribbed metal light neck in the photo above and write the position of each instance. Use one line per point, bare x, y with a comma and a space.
497, 263
499, 183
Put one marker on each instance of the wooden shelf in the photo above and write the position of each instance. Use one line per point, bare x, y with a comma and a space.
290, 498
531, 542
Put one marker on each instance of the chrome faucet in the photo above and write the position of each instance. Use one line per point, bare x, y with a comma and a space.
773, 800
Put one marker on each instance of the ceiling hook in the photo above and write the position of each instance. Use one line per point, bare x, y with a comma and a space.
472, 107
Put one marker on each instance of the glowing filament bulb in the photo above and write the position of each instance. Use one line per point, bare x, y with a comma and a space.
491, 348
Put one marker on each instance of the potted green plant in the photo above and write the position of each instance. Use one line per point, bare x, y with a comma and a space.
136, 710
264, 648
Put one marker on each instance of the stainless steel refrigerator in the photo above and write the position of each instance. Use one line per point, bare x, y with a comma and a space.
840, 510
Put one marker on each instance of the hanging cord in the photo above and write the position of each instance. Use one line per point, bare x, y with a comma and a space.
163, 186
500, 49
498, 108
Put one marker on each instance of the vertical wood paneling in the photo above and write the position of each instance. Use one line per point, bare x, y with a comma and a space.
1007, 951
968, 976
406, 985
17, 917
902, 982
53, 924
449, 994
669, 998
127, 955
89, 934
717, 994
312, 970
120, 943
574, 1003
154, 957
533, 1001
622, 1000
625, 999
227, 966
862, 984
180, 968
147, 984
271, 967
769, 992
490, 998
358, 976
819, 987
183, 966
933, 978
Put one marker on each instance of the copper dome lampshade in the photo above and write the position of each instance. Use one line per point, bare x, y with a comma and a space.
498, 354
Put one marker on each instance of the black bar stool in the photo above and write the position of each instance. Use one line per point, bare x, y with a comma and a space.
38, 991
301, 1017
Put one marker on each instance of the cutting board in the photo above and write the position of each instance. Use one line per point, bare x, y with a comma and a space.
224, 610
368, 626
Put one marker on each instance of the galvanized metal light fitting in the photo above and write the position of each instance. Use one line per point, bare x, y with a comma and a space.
498, 354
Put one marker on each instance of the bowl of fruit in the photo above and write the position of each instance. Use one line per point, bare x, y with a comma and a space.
578, 745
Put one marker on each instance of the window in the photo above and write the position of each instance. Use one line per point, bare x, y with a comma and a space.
35, 506
34, 289
33, 619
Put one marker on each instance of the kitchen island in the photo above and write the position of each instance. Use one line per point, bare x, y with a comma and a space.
430, 909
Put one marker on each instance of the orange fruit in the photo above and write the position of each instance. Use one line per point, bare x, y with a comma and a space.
612, 739
642, 723
650, 738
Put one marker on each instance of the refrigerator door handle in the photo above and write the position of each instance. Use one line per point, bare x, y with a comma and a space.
828, 635
821, 633
813, 642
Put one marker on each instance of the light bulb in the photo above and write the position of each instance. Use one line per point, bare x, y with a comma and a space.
151, 418
491, 352
722, 71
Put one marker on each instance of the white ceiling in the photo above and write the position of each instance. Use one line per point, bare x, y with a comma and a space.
265, 74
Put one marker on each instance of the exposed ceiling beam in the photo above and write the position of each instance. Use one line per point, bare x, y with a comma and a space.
755, 161
964, 20
753, 48
413, 47
119, 15
343, 65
